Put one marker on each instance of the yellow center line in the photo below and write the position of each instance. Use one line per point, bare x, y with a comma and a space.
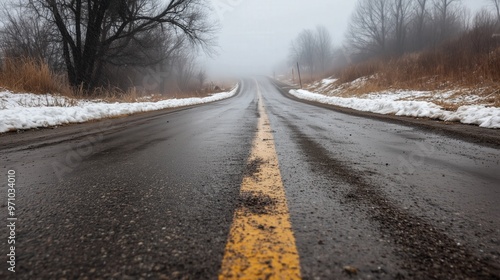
261, 244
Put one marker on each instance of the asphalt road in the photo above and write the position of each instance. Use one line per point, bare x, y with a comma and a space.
154, 195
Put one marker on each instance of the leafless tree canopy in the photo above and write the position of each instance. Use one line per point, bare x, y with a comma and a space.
400, 14
370, 26
394, 27
324, 49
313, 50
496, 6
94, 35
23, 35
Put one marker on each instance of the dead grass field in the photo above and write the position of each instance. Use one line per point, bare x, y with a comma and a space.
31, 76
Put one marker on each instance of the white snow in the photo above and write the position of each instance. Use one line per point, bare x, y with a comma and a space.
327, 82
488, 117
27, 111
398, 95
438, 96
324, 84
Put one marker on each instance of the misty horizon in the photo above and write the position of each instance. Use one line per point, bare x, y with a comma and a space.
254, 37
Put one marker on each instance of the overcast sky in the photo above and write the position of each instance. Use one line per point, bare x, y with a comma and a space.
255, 35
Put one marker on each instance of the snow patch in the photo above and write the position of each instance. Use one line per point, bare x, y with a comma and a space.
27, 111
483, 116
327, 82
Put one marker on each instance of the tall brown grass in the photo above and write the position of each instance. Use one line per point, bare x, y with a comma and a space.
471, 61
33, 76
429, 70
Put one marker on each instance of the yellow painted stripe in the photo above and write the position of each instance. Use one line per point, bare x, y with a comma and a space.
261, 244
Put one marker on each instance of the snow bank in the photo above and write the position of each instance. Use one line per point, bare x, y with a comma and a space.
26, 111
475, 114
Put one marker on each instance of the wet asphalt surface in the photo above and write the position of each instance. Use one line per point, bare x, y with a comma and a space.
153, 195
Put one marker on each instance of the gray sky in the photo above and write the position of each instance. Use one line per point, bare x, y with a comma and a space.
255, 35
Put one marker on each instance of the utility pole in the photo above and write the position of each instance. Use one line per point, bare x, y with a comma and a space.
300, 79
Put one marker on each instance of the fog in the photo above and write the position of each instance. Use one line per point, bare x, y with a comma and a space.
254, 35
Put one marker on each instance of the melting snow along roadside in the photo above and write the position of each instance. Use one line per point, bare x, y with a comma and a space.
27, 111
479, 115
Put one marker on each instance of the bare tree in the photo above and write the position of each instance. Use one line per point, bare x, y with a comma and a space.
435, 21
369, 27
202, 77
93, 32
185, 71
313, 50
324, 49
446, 16
303, 50
480, 37
147, 62
22, 35
340, 58
400, 14
496, 5
421, 14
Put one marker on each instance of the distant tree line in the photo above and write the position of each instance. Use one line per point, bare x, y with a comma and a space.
394, 27
391, 28
110, 43
384, 29
314, 51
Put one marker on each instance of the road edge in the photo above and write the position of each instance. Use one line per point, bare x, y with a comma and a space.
45, 136
470, 133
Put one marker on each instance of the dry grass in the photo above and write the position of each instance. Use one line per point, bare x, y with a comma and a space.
28, 75
31, 76
430, 71
471, 62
